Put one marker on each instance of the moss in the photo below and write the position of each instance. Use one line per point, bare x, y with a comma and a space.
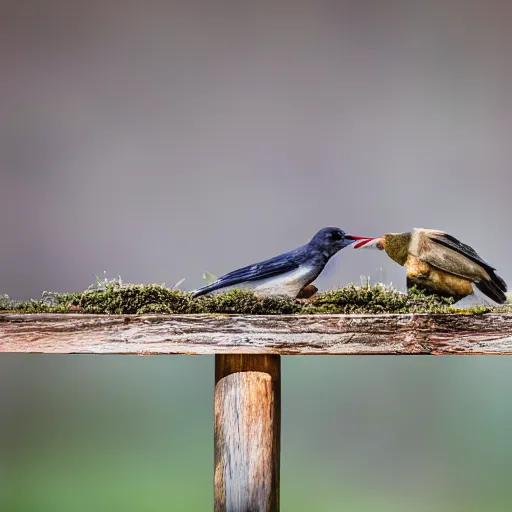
48, 303
246, 303
377, 299
135, 299
482, 310
115, 298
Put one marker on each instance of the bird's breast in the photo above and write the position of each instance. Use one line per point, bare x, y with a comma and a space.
416, 267
288, 284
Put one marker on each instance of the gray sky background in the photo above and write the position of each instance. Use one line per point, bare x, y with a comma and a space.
159, 139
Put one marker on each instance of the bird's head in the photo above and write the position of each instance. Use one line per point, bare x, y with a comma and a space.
396, 245
331, 240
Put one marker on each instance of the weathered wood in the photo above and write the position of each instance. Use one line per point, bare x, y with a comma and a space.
247, 407
225, 334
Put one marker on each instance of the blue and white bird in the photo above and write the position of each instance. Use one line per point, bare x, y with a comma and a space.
287, 273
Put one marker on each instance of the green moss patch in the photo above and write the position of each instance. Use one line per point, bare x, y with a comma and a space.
144, 299
378, 299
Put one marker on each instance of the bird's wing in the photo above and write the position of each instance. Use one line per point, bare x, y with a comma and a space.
462, 260
448, 254
456, 245
263, 270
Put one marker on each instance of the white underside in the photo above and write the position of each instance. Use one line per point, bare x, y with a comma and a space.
285, 284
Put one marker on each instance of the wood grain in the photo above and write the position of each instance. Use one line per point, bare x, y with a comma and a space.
287, 334
247, 419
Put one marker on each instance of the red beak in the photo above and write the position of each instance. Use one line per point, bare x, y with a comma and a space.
364, 240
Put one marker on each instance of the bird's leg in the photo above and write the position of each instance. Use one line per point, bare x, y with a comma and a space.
306, 293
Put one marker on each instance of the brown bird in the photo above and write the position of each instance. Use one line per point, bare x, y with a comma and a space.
437, 262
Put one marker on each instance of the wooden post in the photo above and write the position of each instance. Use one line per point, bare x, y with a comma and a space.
247, 407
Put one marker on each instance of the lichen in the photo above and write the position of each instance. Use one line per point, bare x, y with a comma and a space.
116, 298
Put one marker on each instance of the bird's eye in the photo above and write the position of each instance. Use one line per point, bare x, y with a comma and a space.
336, 235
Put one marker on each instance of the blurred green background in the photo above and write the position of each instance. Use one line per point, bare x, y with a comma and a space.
103, 433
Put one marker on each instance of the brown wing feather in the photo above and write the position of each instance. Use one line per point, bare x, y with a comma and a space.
451, 242
446, 253
425, 246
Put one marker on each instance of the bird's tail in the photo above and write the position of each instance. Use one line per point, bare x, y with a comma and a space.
200, 291
495, 288
209, 279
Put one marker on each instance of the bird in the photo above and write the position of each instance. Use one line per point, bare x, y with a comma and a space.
439, 263
289, 273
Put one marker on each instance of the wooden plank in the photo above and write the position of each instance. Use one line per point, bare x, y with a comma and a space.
247, 421
287, 334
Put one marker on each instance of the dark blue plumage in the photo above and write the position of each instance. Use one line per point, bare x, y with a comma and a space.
287, 273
